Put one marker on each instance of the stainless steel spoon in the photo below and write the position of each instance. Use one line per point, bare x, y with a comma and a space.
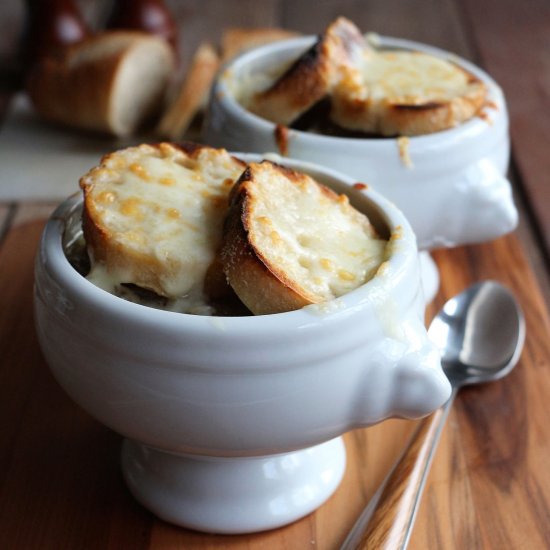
480, 334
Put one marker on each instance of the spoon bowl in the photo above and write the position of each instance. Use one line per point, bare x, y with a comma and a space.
480, 334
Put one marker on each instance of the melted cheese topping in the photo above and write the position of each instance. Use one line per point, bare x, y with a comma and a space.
251, 82
403, 144
319, 241
165, 209
409, 78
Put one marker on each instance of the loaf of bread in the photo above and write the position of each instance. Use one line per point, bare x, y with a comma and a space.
153, 217
111, 82
312, 76
290, 241
403, 93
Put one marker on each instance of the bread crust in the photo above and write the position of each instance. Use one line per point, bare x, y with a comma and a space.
311, 77
192, 95
77, 88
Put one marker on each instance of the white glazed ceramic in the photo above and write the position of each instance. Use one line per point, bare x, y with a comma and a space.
232, 424
455, 192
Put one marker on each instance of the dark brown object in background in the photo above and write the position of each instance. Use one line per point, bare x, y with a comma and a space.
49, 26
145, 15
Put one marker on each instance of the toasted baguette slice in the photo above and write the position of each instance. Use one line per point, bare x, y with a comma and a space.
236, 40
312, 76
406, 94
153, 216
290, 242
110, 83
193, 94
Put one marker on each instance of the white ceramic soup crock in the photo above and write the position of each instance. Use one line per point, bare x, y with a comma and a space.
233, 424
455, 190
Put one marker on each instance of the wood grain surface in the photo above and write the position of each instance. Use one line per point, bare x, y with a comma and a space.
521, 42
60, 484
489, 487
389, 525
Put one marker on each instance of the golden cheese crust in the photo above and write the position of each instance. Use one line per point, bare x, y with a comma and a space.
195, 225
290, 242
153, 215
406, 94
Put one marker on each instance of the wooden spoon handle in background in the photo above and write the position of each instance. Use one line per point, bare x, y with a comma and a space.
387, 521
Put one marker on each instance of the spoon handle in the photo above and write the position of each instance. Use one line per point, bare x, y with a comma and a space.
387, 521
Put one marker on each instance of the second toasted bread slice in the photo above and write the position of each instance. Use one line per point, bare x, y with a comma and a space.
402, 93
312, 76
192, 95
290, 242
153, 216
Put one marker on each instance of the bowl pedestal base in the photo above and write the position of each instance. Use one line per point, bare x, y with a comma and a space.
233, 494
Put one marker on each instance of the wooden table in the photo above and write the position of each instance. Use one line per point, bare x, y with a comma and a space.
60, 485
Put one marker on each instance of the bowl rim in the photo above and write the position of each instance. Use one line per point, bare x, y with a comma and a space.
472, 127
52, 259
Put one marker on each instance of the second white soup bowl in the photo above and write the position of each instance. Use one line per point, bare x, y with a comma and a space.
453, 192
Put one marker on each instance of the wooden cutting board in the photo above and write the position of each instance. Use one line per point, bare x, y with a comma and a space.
61, 487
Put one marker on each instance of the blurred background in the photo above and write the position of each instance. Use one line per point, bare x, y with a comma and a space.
510, 39
61, 487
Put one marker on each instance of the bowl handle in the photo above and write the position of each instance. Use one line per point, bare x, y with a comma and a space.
420, 384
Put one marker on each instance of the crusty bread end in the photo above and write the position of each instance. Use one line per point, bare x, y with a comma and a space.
111, 82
